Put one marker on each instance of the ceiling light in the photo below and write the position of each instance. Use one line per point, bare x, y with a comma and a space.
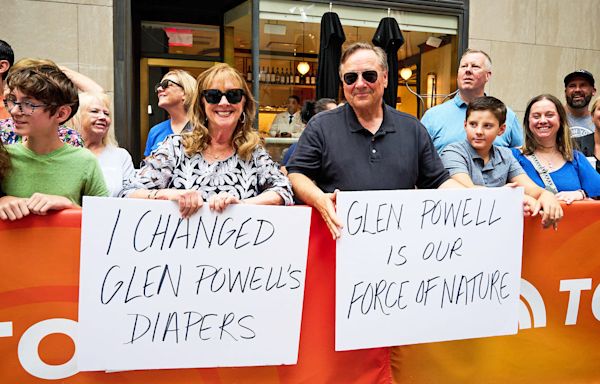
303, 68
405, 73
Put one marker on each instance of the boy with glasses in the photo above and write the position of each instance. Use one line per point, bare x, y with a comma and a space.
45, 174
66, 134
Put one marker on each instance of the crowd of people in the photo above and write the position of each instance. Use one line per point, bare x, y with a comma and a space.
58, 142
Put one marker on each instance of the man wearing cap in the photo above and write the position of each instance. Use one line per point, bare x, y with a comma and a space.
579, 90
445, 122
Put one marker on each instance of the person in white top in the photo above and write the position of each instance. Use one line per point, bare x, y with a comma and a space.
93, 121
288, 123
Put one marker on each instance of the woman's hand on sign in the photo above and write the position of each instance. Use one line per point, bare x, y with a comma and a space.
220, 201
189, 201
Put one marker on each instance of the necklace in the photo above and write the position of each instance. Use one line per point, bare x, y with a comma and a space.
548, 162
218, 155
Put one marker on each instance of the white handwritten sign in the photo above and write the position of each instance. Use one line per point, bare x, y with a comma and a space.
424, 266
158, 291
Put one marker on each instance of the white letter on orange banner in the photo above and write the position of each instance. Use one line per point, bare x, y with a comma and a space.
574, 286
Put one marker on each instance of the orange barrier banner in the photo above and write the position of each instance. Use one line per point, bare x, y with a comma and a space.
560, 308
559, 317
38, 313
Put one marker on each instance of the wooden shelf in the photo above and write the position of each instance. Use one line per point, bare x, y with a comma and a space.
284, 86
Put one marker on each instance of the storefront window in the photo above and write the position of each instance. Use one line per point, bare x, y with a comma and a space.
290, 34
180, 39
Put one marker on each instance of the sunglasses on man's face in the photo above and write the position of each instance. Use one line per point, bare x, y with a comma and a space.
165, 84
214, 96
368, 76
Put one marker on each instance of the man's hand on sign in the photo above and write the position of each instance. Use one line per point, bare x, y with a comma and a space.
326, 207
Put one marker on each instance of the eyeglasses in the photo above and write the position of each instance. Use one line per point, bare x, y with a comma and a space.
165, 84
368, 76
26, 107
214, 96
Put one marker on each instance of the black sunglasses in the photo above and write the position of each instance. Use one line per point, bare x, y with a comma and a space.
165, 84
214, 96
351, 77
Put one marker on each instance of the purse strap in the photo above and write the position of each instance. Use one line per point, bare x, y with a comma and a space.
543, 172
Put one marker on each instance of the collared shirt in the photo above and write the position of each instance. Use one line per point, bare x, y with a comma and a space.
338, 153
499, 170
286, 123
446, 124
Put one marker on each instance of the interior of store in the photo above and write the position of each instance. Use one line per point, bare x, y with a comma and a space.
289, 46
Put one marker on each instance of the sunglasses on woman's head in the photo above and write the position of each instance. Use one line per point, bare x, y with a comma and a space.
368, 76
165, 84
214, 96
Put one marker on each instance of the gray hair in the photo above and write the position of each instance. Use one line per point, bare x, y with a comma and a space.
381, 56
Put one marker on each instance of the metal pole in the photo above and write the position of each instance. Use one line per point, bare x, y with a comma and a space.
255, 56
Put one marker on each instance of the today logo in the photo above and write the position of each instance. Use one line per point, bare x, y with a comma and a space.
532, 314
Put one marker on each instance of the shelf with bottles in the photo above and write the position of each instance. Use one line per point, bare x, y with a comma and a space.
288, 87
282, 72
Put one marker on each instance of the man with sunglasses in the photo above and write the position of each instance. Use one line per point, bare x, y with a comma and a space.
445, 122
364, 145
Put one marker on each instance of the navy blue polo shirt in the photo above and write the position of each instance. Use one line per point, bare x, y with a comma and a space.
338, 153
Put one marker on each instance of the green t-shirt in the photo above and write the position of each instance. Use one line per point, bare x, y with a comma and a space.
68, 171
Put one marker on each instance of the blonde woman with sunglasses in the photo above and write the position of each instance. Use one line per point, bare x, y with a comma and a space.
175, 92
221, 161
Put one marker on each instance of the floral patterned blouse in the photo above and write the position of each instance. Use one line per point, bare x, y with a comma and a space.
8, 135
169, 167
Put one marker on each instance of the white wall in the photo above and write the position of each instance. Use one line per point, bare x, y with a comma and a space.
74, 33
534, 44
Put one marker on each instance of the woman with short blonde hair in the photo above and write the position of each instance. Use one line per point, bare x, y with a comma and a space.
93, 121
